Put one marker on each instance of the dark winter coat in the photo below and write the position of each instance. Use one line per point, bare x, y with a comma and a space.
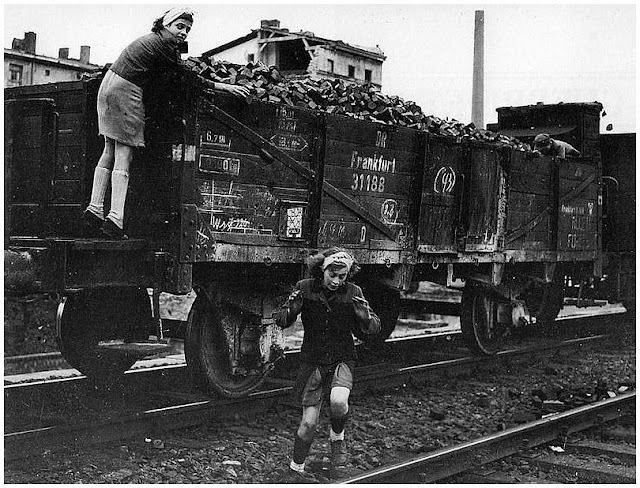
328, 319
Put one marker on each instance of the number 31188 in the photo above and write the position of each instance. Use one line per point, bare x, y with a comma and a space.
362, 182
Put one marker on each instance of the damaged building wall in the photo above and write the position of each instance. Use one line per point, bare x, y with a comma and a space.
329, 62
304, 53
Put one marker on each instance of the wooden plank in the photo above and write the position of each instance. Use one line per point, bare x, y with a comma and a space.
372, 134
439, 206
339, 233
64, 220
360, 184
27, 164
216, 135
437, 228
27, 132
483, 194
530, 183
66, 191
371, 159
244, 168
232, 207
391, 211
578, 225
25, 220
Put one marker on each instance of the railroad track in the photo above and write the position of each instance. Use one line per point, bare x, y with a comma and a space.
449, 461
192, 410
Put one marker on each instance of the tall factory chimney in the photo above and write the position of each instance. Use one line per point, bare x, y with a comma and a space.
477, 97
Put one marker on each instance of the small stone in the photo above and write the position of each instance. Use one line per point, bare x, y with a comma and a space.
484, 402
540, 393
437, 414
232, 463
513, 394
523, 417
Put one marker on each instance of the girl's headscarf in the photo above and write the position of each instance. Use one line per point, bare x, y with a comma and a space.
340, 259
176, 13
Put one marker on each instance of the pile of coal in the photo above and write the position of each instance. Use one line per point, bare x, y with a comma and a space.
335, 96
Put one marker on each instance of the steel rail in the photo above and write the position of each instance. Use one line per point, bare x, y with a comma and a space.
28, 442
21, 444
448, 461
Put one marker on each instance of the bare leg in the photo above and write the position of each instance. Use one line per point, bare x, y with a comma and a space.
120, 182
101, 179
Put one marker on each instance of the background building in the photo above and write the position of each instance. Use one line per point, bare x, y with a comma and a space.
22, 66
298, 53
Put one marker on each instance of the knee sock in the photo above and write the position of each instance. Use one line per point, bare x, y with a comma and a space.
101, 180
119, 186
300, 450
337, 427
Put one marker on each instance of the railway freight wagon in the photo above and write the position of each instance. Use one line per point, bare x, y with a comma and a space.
229, 198
578, 124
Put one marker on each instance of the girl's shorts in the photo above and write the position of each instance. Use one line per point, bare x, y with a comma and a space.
316, 381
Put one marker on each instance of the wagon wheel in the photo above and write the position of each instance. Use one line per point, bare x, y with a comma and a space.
481, 330
385, 302
208, 346
86, 318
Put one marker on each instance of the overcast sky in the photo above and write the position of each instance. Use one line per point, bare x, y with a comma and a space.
534, 53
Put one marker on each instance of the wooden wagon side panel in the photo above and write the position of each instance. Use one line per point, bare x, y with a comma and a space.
61, 149
579, 206
485, 200
243, 194
374, 167
440, 211
31, 133
530, 199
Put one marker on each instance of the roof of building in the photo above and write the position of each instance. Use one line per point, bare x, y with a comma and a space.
67, 63
553, 106
374, 53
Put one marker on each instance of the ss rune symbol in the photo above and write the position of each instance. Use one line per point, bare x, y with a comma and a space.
445, 180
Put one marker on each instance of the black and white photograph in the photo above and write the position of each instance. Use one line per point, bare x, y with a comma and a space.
295, 243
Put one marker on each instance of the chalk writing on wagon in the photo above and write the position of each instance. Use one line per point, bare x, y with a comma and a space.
229, 207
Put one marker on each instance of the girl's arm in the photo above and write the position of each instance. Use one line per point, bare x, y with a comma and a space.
367, 319
287, 313
237, 90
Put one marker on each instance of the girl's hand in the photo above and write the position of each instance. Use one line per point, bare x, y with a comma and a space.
237, 90
295, 303
361, 308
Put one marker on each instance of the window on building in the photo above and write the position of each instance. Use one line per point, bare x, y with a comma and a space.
367, 75
250, 57
47, 72
352, 71
15, 74
330, 61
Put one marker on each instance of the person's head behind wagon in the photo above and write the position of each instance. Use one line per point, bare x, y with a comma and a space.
178, 21
542, 142
333, 266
